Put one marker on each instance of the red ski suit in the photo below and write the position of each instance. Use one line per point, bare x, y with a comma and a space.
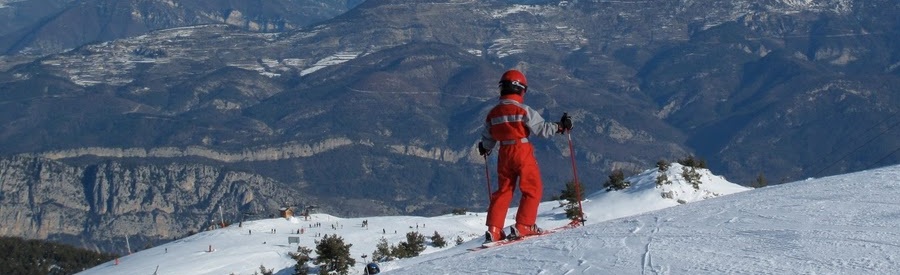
509, 124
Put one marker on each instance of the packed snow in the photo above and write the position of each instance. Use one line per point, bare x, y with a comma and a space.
846, 224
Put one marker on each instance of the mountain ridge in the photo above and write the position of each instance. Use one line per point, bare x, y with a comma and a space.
52, 28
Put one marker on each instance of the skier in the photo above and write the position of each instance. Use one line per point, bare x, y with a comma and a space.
510, 123
372, 268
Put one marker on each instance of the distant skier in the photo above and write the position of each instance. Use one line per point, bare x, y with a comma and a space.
510, 123
372, 268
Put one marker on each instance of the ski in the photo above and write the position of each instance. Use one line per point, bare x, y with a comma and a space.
519, 239
504, 242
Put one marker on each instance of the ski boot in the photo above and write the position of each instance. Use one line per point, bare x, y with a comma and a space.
519, 231
494, 234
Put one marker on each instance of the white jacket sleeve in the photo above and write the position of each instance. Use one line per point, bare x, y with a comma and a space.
537, 125
487, 140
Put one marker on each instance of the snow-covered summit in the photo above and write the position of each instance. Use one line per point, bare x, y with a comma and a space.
652, 193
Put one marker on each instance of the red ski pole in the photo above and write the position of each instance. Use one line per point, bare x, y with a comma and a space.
575, 176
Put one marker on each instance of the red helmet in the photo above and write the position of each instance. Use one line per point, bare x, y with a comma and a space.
513, 80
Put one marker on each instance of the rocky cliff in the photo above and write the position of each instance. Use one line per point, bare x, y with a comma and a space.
101, 205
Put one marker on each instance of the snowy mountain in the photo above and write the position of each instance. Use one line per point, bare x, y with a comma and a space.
241, 249
845, 224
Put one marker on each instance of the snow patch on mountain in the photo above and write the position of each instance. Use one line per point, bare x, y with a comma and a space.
537, 10
798, 3
744, 10
836, 6
335, 59
5, 3
893, 67
114, 62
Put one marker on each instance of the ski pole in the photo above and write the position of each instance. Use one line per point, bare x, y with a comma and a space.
487, 177
575, 176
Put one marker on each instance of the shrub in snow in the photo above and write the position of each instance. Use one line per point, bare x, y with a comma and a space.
692, 161
662, 179
437, 240
760, 181
414, 244
663, 165
264, 271
691, 176
459, 211
616, 181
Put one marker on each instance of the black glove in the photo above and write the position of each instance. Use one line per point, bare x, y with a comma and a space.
564, 124
483, 151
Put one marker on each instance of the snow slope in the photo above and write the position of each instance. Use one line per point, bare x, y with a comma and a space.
847, 224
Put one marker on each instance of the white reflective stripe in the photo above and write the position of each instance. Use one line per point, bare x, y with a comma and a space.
511, 118
513, 102
513, 141
506, 119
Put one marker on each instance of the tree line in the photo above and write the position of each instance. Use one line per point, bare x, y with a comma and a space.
27, 257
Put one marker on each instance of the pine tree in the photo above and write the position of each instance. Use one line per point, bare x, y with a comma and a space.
334, 255
437, 240
382, 251
571, 195
302, 258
